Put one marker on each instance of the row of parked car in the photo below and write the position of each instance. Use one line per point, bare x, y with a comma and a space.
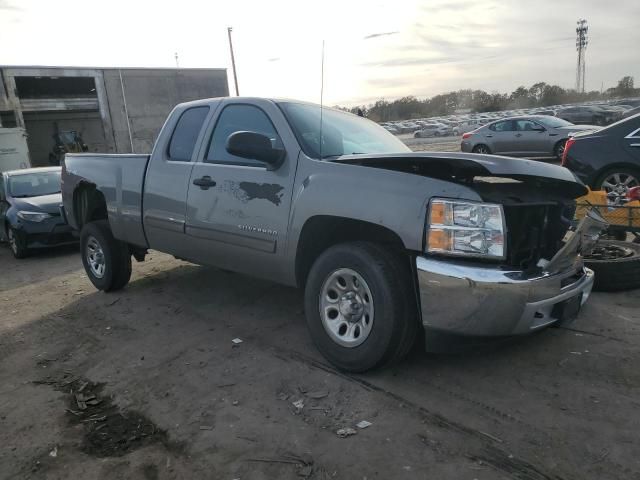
599, 114
604, 158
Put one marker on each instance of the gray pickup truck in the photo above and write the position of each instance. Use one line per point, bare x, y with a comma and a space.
385, 242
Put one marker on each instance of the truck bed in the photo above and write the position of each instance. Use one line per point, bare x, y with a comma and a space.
120, 178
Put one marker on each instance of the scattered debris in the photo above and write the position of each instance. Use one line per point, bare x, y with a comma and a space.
235, 403
236, 341
111, 304
495, 439
346, 432
222, 385
206, 427
318, 394
363, 424
576, 353
54, 453
283, 396
299, 404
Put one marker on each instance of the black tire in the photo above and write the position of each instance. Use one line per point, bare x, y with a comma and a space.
417, 135
394, 324
622, 170
436, 134
600, 121
481, 148
558, 149
116, 254
615, 274
17, 243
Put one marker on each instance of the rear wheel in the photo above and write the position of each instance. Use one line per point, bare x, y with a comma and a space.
17, 243
618, 180
558, 150
360, 306
481, 148
106, 260
616, 265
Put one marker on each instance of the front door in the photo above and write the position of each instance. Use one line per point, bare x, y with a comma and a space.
238, 209
529, 140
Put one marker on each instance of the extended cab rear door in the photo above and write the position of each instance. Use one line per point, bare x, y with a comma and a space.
168, 176
239, 218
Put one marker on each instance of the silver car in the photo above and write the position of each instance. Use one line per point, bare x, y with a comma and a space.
533, 135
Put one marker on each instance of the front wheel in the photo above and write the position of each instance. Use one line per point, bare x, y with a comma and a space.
360, 306
17, 243
106, 260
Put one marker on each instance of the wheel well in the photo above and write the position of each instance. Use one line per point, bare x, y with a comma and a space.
610, 169
324, 231
89, 204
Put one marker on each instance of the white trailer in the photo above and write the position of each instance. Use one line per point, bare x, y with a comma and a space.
14, 152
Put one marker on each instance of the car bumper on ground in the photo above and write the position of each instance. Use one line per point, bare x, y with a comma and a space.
482, 301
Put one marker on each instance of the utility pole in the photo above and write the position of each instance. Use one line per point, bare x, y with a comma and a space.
176, 57
581, 46
233, 62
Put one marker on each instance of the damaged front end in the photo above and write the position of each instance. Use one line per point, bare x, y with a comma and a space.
540, 280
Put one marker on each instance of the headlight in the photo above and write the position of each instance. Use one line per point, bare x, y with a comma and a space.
33, 216
466, 229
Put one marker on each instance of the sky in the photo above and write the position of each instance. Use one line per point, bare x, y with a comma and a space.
372, 49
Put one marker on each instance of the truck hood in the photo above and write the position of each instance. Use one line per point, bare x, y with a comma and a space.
466, 167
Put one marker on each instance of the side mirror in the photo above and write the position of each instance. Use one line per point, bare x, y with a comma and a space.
255, 146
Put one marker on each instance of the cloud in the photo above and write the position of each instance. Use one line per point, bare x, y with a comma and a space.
6, 6
382, 34
274, 59
408, 62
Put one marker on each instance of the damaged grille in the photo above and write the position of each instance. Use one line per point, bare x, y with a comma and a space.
535, 231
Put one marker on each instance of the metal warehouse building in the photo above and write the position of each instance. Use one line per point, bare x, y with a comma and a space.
115, 110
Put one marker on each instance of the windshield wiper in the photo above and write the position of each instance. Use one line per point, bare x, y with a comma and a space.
335, 155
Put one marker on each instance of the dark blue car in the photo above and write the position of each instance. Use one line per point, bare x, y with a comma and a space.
31, 212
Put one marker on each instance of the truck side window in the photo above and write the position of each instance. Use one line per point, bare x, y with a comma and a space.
237, 118
185, 134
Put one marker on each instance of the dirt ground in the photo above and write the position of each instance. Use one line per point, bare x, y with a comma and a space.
147, 383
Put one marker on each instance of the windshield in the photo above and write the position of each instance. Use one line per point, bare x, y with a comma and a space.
553, 122
342, 133
34, 184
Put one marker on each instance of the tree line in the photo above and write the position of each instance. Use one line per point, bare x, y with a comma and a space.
539, 94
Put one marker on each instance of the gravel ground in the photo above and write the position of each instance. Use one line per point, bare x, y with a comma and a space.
147, 383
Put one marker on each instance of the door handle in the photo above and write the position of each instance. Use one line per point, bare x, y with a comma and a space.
205, 182
489, 136
635, 145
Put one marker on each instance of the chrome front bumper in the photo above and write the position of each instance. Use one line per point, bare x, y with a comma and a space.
480, 300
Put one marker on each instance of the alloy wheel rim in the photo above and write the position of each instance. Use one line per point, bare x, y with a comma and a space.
95, 257
346, 307
620, 183
12, 241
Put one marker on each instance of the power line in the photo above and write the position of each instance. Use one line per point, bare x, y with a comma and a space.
582, 41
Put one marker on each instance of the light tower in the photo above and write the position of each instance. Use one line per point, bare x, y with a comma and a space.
581, 47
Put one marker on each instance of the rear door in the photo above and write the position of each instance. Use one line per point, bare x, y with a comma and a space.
501, 136
632, 142
4, 206
167, 179
240, 220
